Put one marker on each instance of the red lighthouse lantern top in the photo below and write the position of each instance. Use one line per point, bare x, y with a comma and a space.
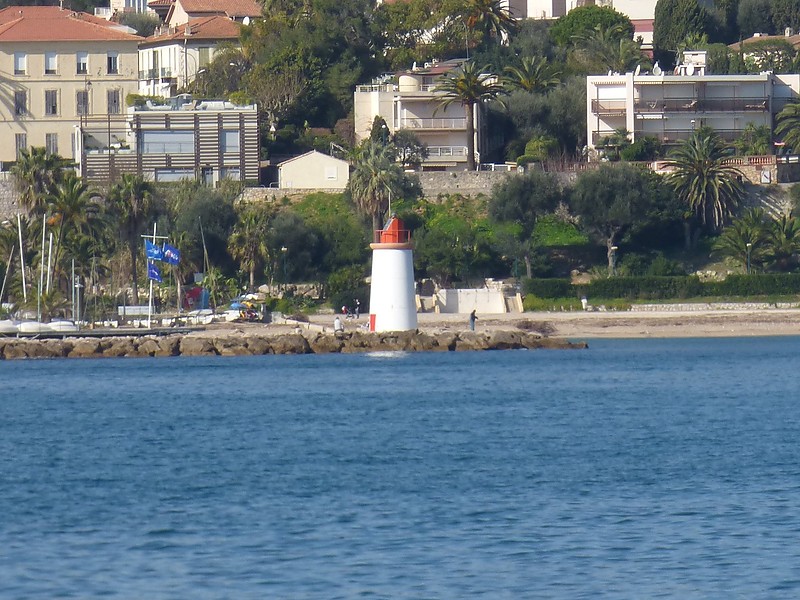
394, 232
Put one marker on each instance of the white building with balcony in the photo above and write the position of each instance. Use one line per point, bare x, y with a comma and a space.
409, 100
670, 107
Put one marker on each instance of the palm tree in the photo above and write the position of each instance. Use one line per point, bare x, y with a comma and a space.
533, 74
134, 205
710, 188
783, 243
375, 178
248, 241
469, 85
35, 173
72, 206
608, 48
745, 240
788, 126
490, 18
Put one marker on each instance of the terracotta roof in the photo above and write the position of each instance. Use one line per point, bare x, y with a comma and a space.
52, 24
794, 40
215, 27
231, 8
154, 3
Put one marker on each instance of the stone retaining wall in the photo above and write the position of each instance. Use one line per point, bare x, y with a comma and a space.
8, 200
294, 343
691, 307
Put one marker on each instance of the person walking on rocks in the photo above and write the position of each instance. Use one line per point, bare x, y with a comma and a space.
472, 319
358, 308
337, 325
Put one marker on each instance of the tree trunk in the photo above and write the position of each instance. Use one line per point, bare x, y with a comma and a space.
687, 235
611, 255
252, 278
470, 110
528, 268
135, 287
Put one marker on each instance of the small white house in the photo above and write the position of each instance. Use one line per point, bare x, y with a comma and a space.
313, 171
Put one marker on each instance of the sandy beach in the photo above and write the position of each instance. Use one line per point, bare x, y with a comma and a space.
612, 324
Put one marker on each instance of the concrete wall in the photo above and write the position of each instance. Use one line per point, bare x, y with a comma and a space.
484, 301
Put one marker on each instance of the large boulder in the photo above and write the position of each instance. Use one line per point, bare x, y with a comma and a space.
469, 340
325, 344
117, 347
505, 340
232, 346
197, 346
168, 346
86, 348
292, 343
259, 346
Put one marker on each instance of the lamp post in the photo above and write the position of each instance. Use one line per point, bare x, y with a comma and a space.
284, 253
384, 133
749, 248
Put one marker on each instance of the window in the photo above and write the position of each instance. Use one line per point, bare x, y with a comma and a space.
50, 63
51, 143
82, 103
20, 63
51, 102
21, 102
174, 174
21, 141
205, 56
331, 173
168, 142
229, 141
83, 62
113, 102
112, 62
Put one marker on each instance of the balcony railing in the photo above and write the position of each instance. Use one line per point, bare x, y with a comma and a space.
702, 105
376, 87
419, 123
608, 107
447, 151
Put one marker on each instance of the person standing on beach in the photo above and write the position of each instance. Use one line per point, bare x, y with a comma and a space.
472, 319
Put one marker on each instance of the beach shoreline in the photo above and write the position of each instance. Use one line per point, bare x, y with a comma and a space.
615, 324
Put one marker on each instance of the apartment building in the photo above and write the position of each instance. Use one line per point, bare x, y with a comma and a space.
170, 59
61, 68
179, 12
183, 139
409, 100
671, 106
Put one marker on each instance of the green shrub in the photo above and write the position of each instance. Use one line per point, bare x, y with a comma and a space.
551, 231
549, 288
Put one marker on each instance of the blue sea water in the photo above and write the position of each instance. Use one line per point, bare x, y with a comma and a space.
633, 469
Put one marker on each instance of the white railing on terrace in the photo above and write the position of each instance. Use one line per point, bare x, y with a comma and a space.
418, 123
103, 12
376, 87
446, 151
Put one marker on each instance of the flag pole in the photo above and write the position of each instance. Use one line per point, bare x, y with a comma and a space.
150, 297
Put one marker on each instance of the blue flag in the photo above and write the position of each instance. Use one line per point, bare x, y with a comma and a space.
152, 251
153, 272
171, 254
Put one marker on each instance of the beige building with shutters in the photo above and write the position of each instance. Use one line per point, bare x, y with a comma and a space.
61, 70
313, 170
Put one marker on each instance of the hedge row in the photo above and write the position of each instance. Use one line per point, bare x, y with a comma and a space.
667, 288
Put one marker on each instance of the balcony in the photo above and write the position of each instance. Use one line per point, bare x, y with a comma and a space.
162, 73
431, 123
702, 105
609, 107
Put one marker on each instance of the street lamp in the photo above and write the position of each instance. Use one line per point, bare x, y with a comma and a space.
284, 252
749, 248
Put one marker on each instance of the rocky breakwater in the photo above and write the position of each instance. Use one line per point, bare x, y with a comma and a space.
235, 343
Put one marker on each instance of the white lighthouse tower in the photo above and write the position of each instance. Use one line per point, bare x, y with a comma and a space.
392, 300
